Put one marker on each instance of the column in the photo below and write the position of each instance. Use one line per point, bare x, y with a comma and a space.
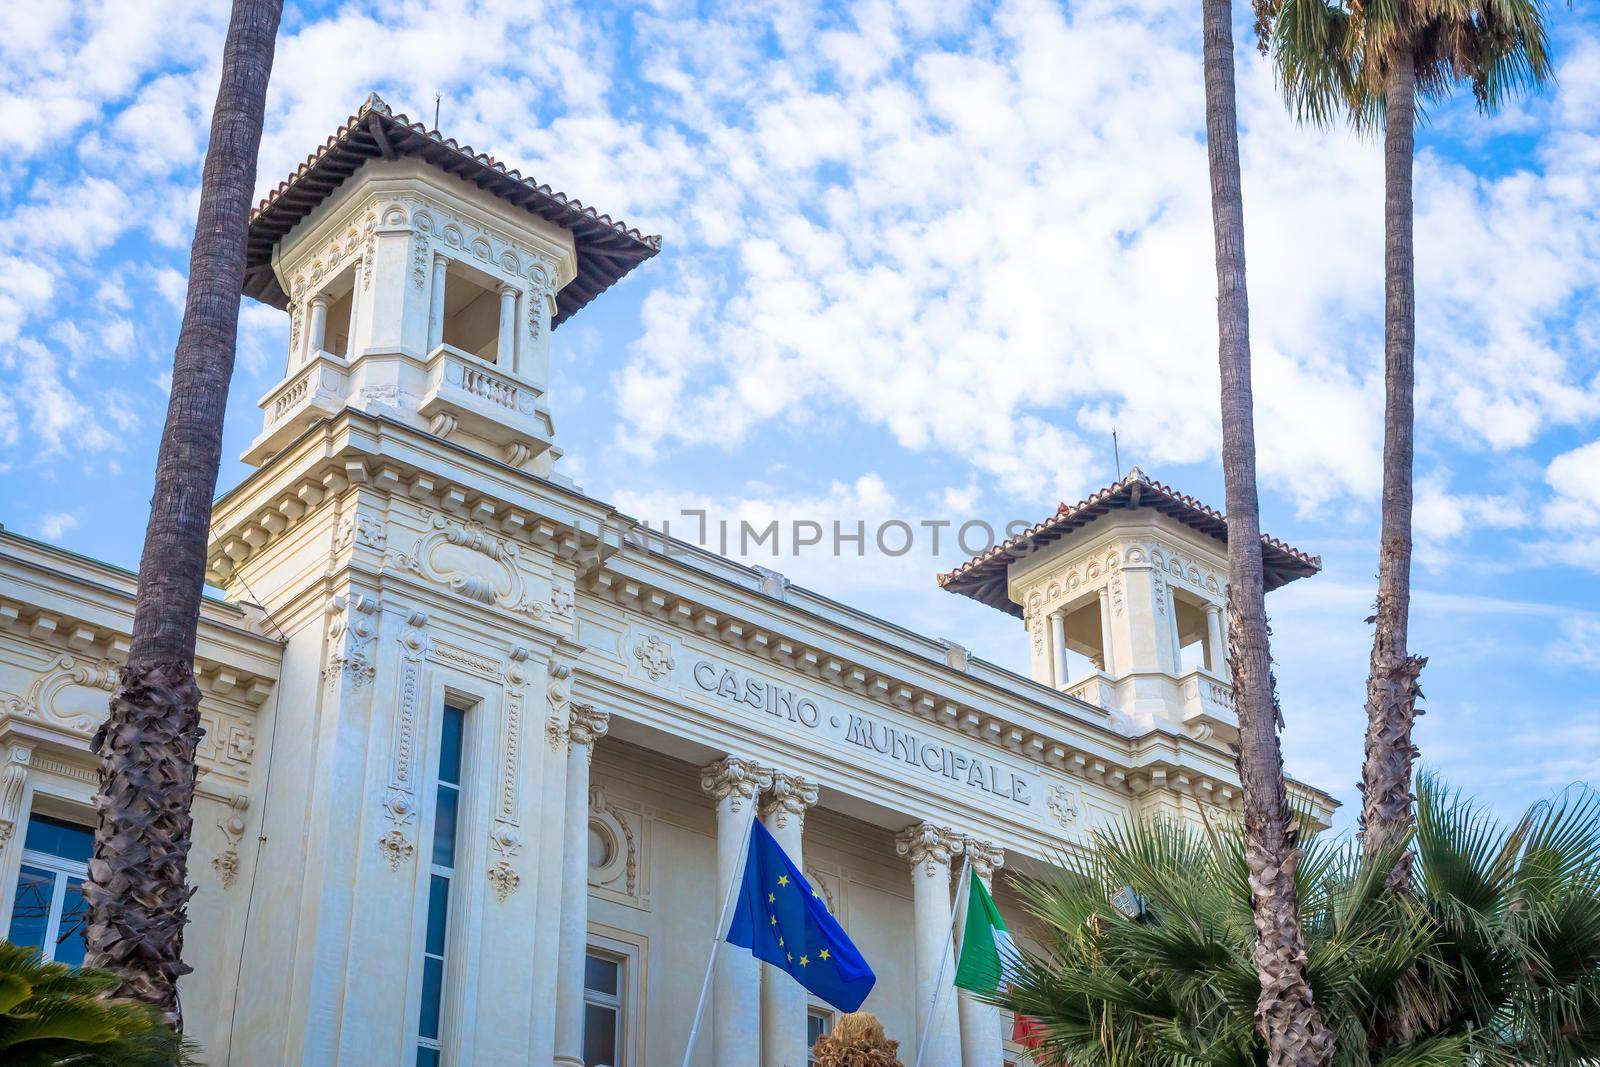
1216, 647
319, 325
1172, 624
1058, 647
981, 1041
586, 725
505, 355
735, 1001
783, 1001
929, 849
436, 303
1107, 662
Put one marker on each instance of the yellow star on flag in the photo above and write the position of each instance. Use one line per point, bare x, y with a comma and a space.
773, 920
790, 955
783, 879
805, 960
824, 954
771, 897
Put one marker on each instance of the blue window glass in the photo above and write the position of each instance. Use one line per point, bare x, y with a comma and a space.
446, 818
69, 841
49, 912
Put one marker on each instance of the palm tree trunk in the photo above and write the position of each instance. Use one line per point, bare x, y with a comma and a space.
1285, 1009
1392, 689
138, 875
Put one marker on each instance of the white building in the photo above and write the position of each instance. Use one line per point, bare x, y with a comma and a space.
476, 774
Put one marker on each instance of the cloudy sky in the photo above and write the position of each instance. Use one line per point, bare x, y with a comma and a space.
918, 261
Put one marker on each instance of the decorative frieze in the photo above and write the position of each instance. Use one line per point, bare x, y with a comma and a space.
400, 796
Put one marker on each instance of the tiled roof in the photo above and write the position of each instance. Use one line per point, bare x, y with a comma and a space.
607, 249
984, 577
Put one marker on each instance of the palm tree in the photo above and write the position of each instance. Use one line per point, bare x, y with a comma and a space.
52, 1014
137, 877
1370, 61
1492, 958
1287, 1009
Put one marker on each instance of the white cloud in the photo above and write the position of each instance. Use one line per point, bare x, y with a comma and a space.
55, 525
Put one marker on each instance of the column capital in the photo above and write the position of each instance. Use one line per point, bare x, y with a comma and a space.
736, 777
986, 857
587, 724
925, 843
507, 289
786, 795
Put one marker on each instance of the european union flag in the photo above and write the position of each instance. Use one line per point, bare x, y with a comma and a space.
785, 922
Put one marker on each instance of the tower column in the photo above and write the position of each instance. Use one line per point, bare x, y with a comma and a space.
1107, 661
1216, 648
929, 849
436, 303
506, 348
586, 725
735, 1001
319, 325
1058, 647
783, 1000
981, 1043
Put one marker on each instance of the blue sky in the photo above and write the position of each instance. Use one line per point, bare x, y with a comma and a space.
918, 260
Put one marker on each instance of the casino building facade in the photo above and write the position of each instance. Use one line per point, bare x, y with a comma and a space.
479, 760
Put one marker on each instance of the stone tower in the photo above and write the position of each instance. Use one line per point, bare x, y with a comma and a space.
1124, 597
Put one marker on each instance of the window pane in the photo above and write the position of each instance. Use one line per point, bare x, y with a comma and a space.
450, 745
30, 916
599, 1036
816, 1026
432, 994
601, 974
444, 828
74, 923
427, 1057
59, 838
438, 914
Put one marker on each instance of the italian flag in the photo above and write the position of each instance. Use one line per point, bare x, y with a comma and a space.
988, 956
987, 953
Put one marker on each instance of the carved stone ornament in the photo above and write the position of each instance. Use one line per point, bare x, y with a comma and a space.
787, 797
226, 862
350, 633
736, 777
396, 848
12, 782
655, 656
503, 880
1062, 804
587, 724
928, 845
986, 857
468, 560
620, 861
558, 693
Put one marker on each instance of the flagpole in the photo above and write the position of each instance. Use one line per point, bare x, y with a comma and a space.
944, 957
716, 937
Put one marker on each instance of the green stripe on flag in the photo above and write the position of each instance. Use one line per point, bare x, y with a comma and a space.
986, 949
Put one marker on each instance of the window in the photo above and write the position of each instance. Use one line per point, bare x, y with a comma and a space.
472, 313
604, 987
50, 913
819, 1021
446, 811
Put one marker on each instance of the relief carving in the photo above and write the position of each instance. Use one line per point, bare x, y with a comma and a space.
472, 562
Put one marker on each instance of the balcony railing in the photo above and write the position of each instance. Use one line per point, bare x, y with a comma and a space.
465, 392
1207, 699
316, 391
